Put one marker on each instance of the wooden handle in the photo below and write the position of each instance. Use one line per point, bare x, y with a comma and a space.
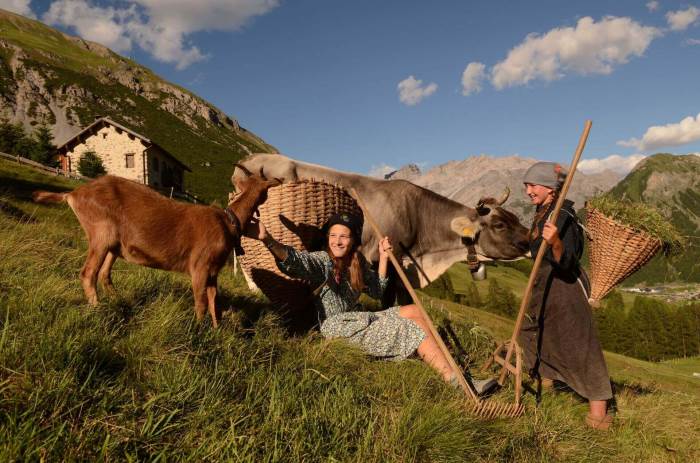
543, 248
455, 368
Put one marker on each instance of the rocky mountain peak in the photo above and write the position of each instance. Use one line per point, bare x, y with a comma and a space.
467, 180
407, 172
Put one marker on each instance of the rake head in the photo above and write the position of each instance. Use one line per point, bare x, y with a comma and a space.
491, 410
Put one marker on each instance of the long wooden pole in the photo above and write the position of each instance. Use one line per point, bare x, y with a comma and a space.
543, 249
451, 361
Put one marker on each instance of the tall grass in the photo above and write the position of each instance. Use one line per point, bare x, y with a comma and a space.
136, 378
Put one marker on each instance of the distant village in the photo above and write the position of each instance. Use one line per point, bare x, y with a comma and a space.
668, 293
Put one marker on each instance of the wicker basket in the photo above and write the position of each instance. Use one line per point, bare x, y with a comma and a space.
293, 214
616, 252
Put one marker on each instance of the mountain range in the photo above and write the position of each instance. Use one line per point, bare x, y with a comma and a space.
468, 180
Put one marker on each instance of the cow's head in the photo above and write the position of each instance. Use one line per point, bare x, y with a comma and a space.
495, 232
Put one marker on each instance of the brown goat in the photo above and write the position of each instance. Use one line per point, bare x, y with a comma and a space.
125, 219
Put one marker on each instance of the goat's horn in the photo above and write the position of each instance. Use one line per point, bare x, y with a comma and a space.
504, 196
245, 170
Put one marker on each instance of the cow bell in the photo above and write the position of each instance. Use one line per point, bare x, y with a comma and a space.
480, 273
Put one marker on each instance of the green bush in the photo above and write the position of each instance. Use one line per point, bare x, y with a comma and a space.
441, 288
90, 165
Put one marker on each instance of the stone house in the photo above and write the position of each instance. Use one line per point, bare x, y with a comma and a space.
124, 153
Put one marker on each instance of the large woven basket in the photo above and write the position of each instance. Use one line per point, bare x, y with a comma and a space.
293, 214
616, 252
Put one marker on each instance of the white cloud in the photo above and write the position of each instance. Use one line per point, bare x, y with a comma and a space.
588, 48
159, 27
379, 171
18, 6
472, 77
616, 163
103, 25
411, 93
674, 134
631, 143
653, 5
680, 20
692, 42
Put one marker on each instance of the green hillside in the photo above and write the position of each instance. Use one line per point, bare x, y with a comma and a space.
671, 184
137, 379
89, 81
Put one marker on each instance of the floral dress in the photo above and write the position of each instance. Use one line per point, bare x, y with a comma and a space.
382, 334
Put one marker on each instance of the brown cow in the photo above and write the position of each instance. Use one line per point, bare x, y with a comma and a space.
435, 231
125, 219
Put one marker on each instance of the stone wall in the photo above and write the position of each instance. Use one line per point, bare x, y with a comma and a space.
112, 145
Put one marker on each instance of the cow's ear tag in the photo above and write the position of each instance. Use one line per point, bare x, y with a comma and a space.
463, 227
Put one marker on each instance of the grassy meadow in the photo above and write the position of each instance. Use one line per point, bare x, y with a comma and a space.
137, 378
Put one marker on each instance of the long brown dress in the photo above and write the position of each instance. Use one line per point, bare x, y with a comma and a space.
558, 336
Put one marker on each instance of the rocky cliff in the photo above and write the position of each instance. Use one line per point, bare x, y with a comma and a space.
47, 77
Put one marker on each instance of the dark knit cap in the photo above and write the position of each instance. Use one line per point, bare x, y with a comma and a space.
352, 221
549, 174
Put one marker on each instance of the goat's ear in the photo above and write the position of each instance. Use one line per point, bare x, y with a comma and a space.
244, 169
464, 227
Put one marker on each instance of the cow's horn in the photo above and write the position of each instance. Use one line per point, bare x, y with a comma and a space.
504, 196
464, 227
245, 170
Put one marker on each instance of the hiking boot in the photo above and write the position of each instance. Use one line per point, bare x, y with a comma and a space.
484, 386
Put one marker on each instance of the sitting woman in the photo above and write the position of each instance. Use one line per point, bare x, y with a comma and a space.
341, 273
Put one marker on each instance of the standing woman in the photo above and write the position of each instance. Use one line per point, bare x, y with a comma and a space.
341, 273
558, 337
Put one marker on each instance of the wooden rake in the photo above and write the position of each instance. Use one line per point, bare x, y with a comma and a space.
512, 345
477, 406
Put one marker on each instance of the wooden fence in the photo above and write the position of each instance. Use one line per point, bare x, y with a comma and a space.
169, 192
37, 165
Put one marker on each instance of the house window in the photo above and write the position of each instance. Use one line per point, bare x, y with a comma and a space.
130, 160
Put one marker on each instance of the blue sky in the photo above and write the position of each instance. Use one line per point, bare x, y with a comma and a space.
362, 85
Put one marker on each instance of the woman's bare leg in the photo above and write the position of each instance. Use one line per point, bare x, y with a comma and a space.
428, 350
598, 408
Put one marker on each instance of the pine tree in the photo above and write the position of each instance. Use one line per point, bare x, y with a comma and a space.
90, 165
13, 139
44, 149
501, 300
471, 297
607, 320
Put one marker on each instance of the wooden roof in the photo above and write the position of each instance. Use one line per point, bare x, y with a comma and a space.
107, 121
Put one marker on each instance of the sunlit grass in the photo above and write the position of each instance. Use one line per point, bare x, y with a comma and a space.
137, 378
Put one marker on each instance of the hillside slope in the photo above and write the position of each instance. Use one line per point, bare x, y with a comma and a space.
671, 184
51, 78
137, 379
